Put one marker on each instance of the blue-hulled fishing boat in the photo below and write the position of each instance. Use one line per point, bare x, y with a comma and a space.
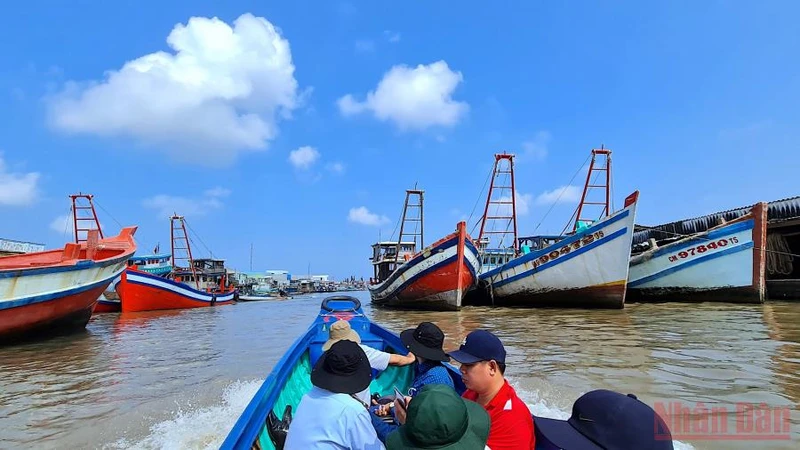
290, 379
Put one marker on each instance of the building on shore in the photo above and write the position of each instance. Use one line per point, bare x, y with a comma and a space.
12, 247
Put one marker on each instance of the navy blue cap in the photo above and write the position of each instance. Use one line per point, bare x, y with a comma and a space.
606, 420
480, 345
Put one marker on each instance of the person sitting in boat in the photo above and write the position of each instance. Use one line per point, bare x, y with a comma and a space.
603, 419
378, 360
483, 363
425, 341
439, 419
330, 415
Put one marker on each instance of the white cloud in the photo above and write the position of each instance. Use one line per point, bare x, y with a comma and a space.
536, 148
363, 216
218, 192
562, 194
16, 188
303, 157
63, 224
336, 167
365, 45
218, 93
522, 204
166, 205
416, 98
392, 36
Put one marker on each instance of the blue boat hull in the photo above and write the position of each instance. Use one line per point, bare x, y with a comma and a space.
249, 430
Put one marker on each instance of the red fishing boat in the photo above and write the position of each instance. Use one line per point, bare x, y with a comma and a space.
201, 283
58, 289
435, 278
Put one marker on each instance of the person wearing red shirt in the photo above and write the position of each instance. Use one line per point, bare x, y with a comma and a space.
483, 362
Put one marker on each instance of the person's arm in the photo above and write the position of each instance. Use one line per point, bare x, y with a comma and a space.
382, 429
400, 360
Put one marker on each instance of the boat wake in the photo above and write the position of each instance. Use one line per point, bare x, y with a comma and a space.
202, 428
207, 427
548, 403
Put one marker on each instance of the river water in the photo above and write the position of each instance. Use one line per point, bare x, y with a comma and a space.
179, 379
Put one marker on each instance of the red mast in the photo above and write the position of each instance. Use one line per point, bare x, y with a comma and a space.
179, 240
602, 151
506, 192
78, 219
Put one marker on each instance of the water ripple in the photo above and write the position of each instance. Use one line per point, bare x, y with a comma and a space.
172, 378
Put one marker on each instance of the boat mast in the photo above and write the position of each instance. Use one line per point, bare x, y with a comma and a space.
178, 234
78, 219
419, 195
606, 186
506, 197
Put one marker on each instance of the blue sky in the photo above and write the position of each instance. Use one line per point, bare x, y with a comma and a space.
297, 127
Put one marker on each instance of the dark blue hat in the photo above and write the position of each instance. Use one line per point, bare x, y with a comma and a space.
607, 420
480, 345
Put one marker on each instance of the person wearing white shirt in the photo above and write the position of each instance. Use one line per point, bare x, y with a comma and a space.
378, 360
331, 416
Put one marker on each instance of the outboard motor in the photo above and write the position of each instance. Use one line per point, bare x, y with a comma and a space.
278, 429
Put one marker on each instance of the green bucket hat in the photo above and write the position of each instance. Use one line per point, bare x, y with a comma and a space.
439, 419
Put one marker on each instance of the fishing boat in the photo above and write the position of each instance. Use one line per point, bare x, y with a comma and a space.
58, 289
723, 262
587, 267
199, 283
84, 219
290, 378
435, 278
156, 264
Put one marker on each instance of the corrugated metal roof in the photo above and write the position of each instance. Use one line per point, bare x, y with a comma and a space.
778, 210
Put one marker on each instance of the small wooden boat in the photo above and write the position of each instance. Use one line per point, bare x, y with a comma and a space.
290, 379
258, 298
722, 263
58, 289
106, 304
436, 278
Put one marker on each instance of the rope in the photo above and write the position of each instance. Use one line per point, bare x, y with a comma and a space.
477, 199
779, 261
109, 214
66, 222
574, 215
396, 225
146, 243
562, 193
198, 238
767, 250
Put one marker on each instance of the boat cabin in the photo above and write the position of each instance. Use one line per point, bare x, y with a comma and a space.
492, 258
386, 258
210, 274
529, 244
155, 264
